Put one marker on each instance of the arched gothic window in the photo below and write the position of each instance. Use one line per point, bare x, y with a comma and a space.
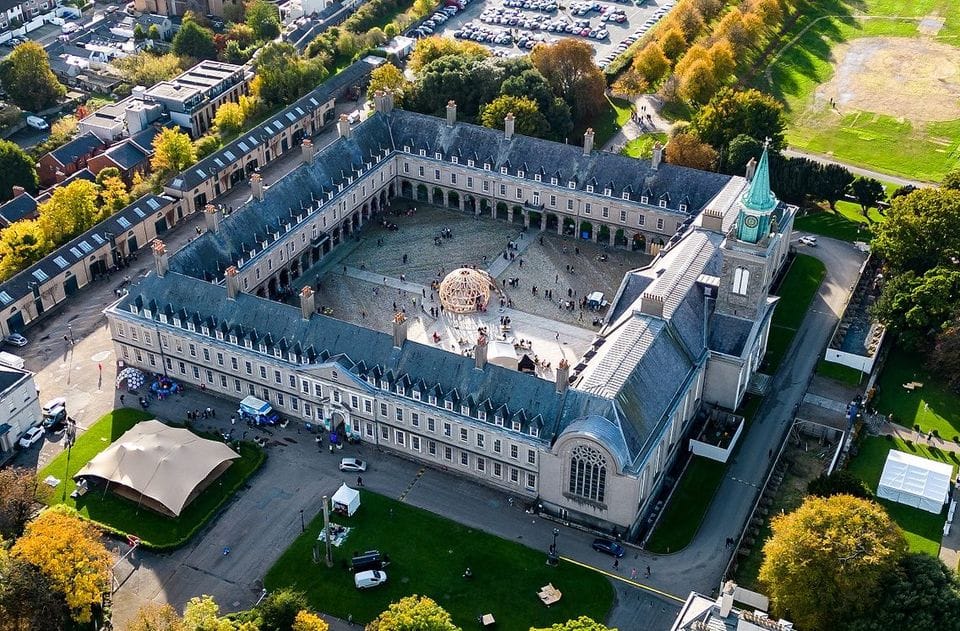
588, 473
741, 278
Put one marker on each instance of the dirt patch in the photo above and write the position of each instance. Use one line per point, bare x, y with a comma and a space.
914, 79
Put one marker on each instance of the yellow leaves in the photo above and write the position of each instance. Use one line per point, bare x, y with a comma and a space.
21, 244
229, 118
414, 613
307, 621
69, 211
202, 614
430, 48
387, 78
173, 152
68, 551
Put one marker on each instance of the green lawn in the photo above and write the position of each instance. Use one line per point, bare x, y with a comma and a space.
642, 146
607, 123
841, 373
691, 499
934, 406
847, 223
123, 516
799, 286
923, 530
870, 139
428, 555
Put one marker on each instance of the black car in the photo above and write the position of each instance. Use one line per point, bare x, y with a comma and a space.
606, 546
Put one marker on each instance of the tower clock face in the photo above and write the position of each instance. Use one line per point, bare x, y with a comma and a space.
750, 221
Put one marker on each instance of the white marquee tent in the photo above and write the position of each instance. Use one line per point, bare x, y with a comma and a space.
346, 500
915, 481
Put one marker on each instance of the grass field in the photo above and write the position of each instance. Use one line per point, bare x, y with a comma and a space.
642, 146
841, 373
689, 504
607, 123
880, 136
847, 223
428, 556
934, 406
922, 529
123, 516
796, 292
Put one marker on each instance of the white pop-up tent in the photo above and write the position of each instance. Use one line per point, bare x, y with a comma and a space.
346, 501
915, 481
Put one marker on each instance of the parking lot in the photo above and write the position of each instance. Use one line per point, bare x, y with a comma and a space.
513, 27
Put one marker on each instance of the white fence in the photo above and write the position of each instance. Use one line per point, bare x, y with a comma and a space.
714, 452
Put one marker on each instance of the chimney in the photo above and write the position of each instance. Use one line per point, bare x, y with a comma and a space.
726, 599
508, 123
232, 282
751, 169
388, 102
451, 113
378, 103
306, 151
563, 375
651, 304
256, 183
18, 191
308, 304
160, 257
343, 126
657, 156
480, 352
399, 329
712, 220
211, 215
588, 141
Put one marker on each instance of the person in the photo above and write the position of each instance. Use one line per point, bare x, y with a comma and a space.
616, 564
233, 419
121, 399
359, 481
648, 571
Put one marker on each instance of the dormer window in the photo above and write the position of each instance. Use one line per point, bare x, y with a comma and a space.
663, 203
572, 184
626, 196
432, 400
448, 405
423, 152
248, 344
537, 177
520, 173
146, 313
498, 420
683, 208
469, 163
163, 318
438, 156
644, 199
205, 329
399, 389
607, 192
220, 335
589, 188
534, 432
516, 426
416, 395
406, 148
482, 415
486, 166
455, 160
277, 353
384, 384
233, 338
503, 170
465, 410
262, 348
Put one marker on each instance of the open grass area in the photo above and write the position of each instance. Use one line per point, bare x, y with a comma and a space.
847, 223
796, 291
123, 516
841, 373
934, 406
923, 530
428, 556
691, 499
873, 132
608, 122
642, 146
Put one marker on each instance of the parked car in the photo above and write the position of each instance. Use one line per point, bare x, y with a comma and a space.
809, 240
33, 435
353, 465
37, 123
53, 404
55, 419
607, 546
369, 578
16, 339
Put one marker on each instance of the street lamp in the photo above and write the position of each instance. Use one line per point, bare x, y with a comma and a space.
70, 436
552, 557
302, 527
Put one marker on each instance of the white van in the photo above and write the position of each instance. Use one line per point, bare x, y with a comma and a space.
370, 578
69, 27
9, 359
37, 123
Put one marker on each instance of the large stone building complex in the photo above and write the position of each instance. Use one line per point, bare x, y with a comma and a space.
592, 445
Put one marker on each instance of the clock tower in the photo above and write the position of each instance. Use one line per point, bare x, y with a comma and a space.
757, 204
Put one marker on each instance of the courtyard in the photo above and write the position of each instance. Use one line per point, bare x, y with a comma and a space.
386, 270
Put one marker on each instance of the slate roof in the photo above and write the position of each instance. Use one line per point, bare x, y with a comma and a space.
17, 208
361, 351
80, 147
728, 334
144, 138
126, 154
10, 376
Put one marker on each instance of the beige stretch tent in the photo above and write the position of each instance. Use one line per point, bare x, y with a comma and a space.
163, 468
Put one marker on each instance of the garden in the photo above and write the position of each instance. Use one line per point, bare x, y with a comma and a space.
429, 555
932, 407
124, 517
796, 292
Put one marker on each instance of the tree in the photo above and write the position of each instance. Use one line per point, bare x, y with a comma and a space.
16, 169
283, 76
833, 181
279, 609
698, 82
264, 19
413, 613
569, 68
105, 174
673, 43
28, 599
528, 119
193, 40
431, 48
172, 152
388, 78
840, 482
22, 243
19, 494
62, 131
154, 617
202, 613
739, 152
920, 231
731, 113
307, 621
651, 63
27, 79
686, 150
68, 551
229, 118
868, 192
915, 307
583, 623
71, 209
471, 81
824, 561
688, 19
147, 69
722, 58
921, 593
113, 196
242, 34
154, 33
206, 145
944, 359
138, 33
951, 180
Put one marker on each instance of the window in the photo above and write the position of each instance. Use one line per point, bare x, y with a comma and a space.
531, 456
280, 398
447, 429
463, 434
293, 381
587, 208
384, 432
644, 199
447, 453
503, 190
536, 198
193, 351
234, 363
432, 448
420, 171
480, 440
569, 204
519, 193
531, 481
625, 196
741, 278
431, 424
206, 355
415, 419
496, 445
553, 200
398, 413
659, 223
453, 178
415, 443
537, 177
605, 213
436, 174
514, 476
498, 469
481, 464
514, 452
683, 208
401, 438
469, 182
354, 402
448, 405
623, 216
503, 170
641, 220
464, 458
367, 406
277, 376
588, 473
383, 409
589, 188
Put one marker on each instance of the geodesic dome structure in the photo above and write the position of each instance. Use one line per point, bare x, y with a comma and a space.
465, 290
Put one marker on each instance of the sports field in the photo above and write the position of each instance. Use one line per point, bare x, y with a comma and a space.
874, 83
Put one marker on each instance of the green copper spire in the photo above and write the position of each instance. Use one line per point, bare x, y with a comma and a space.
759, 197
